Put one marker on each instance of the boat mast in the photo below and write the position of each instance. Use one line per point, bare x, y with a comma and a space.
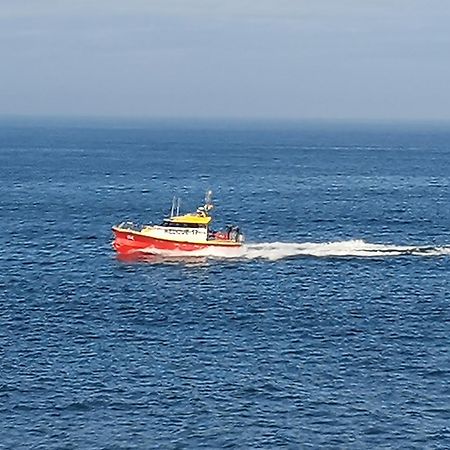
208, 201
173, 206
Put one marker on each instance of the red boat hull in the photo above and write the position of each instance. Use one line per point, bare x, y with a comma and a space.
127, 242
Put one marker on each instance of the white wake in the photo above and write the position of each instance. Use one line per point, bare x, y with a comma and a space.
281, 250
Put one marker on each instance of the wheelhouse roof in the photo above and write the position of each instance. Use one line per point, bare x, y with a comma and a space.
190, 219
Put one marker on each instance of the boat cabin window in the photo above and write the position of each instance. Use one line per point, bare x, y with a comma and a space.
183, 225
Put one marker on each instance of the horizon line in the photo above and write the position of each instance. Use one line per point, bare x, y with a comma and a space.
217, 119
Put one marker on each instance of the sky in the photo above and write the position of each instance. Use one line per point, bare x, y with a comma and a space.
242, 59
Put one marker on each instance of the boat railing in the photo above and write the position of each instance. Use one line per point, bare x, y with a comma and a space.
229, 234
128, 225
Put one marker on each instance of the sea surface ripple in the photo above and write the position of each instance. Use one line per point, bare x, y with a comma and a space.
330, 330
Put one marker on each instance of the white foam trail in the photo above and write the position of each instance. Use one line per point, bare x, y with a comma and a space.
213, 252
351, 248
281, 250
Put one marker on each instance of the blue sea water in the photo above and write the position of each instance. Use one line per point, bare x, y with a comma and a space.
331, 330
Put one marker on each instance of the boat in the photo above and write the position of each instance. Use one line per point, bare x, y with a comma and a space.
177, 233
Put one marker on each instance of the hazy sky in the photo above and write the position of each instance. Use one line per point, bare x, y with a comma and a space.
360, 59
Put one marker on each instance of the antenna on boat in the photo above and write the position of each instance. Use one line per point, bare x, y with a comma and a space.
173, 206
208, 201
178, 206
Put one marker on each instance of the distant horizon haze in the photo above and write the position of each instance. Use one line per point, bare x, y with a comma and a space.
195, 60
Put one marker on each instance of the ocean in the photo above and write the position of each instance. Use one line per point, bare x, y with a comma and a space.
330, 330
